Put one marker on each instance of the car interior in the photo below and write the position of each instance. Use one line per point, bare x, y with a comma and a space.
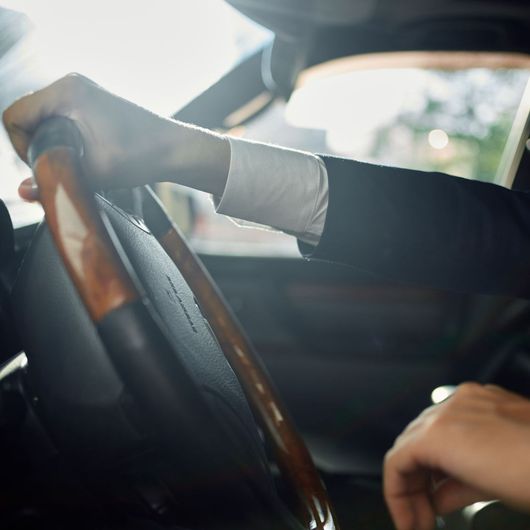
246, 388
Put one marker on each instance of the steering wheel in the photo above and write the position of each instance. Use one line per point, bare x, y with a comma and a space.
135, 358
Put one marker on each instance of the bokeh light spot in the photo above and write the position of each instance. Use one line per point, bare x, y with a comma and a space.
438, 139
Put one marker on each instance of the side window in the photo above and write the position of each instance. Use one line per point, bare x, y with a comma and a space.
455, 118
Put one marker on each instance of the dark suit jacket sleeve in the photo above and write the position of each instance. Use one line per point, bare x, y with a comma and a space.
428, 229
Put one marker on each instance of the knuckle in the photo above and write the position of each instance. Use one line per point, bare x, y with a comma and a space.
9, 121
9, 114
73, 77
73, 83
438, 423
5, 117
389, 457
468, 389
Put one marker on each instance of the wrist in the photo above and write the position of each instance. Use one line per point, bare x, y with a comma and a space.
198, 158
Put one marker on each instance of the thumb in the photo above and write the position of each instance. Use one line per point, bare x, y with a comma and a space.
28, 190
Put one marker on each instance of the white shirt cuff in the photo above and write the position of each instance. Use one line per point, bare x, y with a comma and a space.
273, 186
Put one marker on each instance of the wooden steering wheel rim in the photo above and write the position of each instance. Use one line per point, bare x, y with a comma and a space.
86, 246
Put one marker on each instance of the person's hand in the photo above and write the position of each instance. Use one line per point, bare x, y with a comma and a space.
473, 447
124, 144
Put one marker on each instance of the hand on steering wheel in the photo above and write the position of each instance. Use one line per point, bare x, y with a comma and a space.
124, 145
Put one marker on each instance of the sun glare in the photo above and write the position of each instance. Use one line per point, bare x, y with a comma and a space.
158, 54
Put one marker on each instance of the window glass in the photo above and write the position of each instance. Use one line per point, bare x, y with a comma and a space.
434, 119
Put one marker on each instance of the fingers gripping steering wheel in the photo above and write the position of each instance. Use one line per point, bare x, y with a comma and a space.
138, 341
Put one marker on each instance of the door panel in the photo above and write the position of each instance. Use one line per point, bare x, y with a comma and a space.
354, 357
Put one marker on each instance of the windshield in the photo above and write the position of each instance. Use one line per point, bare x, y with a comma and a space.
159, 54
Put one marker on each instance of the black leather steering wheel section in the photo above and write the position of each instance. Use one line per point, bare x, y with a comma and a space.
141, 389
